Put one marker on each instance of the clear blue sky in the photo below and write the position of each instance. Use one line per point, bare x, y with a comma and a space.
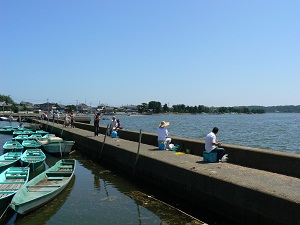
195, 52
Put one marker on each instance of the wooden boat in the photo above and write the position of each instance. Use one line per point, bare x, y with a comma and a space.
34, 136
42, 132
27, 144
34, 158
56, 145
7, 130
11, 180
44, 187
9, 159
22, 132
20, 138
13, 146
48, 135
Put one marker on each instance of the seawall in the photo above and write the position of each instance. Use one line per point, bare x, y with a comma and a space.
256, 186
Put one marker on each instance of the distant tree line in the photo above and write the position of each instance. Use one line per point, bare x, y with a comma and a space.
157, 107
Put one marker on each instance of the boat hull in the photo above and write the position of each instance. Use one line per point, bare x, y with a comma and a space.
11, 180
12, 146
34, 158
31, 144
44, 187
58, 148
9, 159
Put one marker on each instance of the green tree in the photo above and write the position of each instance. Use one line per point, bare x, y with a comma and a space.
156, 106
142, 108
165, 108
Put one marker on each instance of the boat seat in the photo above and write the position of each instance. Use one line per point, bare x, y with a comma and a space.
15, 176
55, 178
65, 167
10, 157
15, 172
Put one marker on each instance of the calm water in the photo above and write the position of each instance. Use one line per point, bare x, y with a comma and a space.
278, 131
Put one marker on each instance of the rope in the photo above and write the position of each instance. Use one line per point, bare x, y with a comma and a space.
5, 211
151, 197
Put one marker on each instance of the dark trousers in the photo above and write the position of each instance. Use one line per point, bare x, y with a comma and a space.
220, 152
96, 129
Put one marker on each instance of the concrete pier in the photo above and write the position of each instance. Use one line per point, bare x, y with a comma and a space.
256, 186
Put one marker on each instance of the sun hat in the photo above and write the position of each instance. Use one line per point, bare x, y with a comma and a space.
163, 124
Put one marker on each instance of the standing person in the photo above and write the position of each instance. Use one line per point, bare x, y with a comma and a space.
163, 133
212, 145
96, 124
67, 120
72, 120
113, 123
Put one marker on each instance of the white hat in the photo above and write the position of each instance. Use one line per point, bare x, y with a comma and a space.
163, 124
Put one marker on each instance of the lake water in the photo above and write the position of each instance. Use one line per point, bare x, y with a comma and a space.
278, 131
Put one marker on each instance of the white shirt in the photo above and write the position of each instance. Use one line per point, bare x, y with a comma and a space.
209, 140
162, 134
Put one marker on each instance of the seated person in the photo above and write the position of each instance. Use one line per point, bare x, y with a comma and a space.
118, 126
212, 145
163, 133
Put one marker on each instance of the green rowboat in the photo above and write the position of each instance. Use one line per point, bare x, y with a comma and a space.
13, 146
44, 187
27, 144
20, 138
11, 180
34, 158
9, 159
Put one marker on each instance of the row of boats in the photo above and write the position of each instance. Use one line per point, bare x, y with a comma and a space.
24, 155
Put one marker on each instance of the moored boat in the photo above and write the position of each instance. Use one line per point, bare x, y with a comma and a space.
20, 138
22, 132
34, 158
11, 180
28, 144
42, 132
44, 187
7, 130
56, 145
13, 146
34, 136
9, 159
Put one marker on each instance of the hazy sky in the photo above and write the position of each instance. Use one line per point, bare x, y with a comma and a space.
192, 52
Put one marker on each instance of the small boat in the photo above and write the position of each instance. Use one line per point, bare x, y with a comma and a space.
9, 159
20, 138
34, 158
7, 130
11, 180
10, 118
22, 132
48, 135
13, 146
28, 144
34, 136
42, 132
56, 145
44, 187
